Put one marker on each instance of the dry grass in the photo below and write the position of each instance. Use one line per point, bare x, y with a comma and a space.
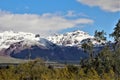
4, 59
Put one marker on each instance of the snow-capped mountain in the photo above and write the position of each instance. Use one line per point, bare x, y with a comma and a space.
75, 38
21, 44
8, 38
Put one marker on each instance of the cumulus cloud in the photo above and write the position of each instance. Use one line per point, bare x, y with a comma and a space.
107, 5
42, 24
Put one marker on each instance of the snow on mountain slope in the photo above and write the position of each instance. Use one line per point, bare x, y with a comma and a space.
9, 37
75, 38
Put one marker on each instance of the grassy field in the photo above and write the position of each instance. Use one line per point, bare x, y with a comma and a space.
4, 59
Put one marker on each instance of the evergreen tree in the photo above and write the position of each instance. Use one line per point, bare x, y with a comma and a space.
100, 35
116, 33
88, 47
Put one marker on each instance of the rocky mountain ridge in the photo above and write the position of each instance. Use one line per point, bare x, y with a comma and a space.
76, 38
59, 47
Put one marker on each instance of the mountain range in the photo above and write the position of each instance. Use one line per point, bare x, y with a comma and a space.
58, 47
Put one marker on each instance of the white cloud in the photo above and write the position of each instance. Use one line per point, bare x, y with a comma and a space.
107, 5
71, 14
42, 24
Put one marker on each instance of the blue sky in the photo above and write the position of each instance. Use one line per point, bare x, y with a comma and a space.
59, 16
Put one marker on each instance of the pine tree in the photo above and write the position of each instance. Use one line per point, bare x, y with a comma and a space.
88, 47
100, 35
116, 33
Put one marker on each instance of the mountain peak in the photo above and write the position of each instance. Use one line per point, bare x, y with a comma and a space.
9, 37
75, 38
78, 32
69, 38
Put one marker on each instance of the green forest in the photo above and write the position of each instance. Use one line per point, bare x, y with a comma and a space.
104, 66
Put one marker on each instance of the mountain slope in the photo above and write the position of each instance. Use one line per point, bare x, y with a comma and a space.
9, 37
10, 41
75, 38
59, 47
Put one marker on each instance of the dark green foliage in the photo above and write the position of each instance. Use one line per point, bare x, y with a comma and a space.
116, 33
88, 47
116, 36
116, 64
100, 35
105, 62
